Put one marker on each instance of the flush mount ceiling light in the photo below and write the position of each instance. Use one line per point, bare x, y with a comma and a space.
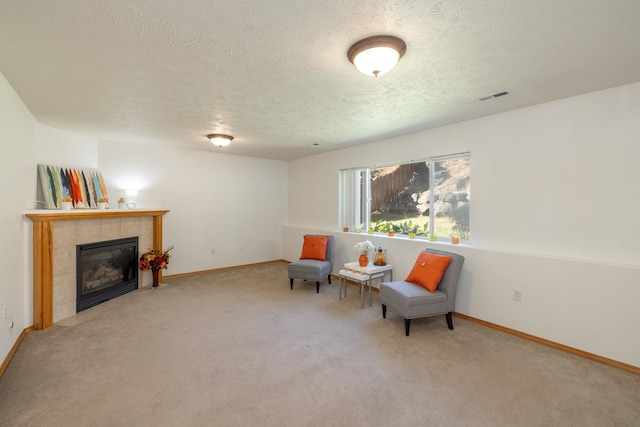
376, 55
219, 139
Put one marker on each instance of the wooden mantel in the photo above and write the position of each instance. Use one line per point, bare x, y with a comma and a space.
43, 250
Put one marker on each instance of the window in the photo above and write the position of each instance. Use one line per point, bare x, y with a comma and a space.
426, 198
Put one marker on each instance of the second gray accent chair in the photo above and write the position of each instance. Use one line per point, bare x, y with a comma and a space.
412, 301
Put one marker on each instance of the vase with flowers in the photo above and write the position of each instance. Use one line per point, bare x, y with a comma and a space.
155, 260
364, 248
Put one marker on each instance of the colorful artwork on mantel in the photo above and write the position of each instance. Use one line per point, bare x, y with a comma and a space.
84, 187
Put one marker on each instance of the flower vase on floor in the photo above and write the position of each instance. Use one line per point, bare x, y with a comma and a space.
363, 260
155, 260
156, 278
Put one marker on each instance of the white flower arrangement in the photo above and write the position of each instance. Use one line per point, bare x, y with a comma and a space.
365, 247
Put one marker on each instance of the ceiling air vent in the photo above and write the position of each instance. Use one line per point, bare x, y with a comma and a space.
495, 95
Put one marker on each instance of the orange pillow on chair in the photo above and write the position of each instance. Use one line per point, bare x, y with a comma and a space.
315, 247
428, 270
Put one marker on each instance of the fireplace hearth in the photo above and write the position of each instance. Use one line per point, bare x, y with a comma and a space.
105, 270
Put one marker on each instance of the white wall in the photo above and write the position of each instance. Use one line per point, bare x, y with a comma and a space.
553, 213
18, 175
63, 148
233, 205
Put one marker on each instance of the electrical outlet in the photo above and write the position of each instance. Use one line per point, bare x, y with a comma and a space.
517, 294
10, 323
5, 312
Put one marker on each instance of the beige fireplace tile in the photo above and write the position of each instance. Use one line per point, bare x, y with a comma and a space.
64, 233
145, 233
144, 277
129, 226
64, 296
144, 243
110, 229
87, 231
64, 260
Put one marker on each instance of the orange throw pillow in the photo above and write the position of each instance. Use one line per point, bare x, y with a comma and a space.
314, 247
428, 270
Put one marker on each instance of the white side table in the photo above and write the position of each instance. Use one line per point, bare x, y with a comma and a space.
362, 275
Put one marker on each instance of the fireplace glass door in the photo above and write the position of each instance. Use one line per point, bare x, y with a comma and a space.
105, 270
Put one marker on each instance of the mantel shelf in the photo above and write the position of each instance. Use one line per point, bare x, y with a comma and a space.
78, 214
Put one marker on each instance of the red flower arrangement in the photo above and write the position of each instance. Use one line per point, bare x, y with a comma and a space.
155, 259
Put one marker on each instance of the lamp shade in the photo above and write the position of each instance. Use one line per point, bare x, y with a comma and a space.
374, 56
219, 139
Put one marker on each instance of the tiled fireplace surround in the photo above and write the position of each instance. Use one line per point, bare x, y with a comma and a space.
55, 236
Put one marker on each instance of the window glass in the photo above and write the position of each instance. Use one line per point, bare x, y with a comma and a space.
451, 198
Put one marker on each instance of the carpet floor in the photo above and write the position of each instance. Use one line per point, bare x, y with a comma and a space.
239, 348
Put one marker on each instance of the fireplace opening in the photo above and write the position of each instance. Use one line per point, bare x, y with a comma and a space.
105, 270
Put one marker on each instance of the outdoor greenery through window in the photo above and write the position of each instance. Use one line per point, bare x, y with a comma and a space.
429, 198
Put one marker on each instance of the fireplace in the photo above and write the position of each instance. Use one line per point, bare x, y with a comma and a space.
105, 270
56, 231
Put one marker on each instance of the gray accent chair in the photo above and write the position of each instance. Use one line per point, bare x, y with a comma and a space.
313, 270
412, 301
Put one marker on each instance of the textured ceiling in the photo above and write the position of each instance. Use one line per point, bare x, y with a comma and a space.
275, 74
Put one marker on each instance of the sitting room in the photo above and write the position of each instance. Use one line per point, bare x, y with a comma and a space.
226, 132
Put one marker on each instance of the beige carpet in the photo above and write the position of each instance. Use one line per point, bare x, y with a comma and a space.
238, 348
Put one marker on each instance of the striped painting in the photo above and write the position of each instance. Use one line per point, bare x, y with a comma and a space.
84, 187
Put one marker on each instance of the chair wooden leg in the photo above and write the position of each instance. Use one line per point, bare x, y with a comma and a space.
317, 287
291, 280
329, 277
407, 323
449, 320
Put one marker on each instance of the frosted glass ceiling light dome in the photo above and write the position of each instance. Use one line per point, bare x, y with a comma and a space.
376, 55
219, 139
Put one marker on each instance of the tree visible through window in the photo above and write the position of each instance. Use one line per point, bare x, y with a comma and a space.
427, 198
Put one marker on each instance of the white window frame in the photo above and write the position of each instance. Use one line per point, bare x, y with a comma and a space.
355, 185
